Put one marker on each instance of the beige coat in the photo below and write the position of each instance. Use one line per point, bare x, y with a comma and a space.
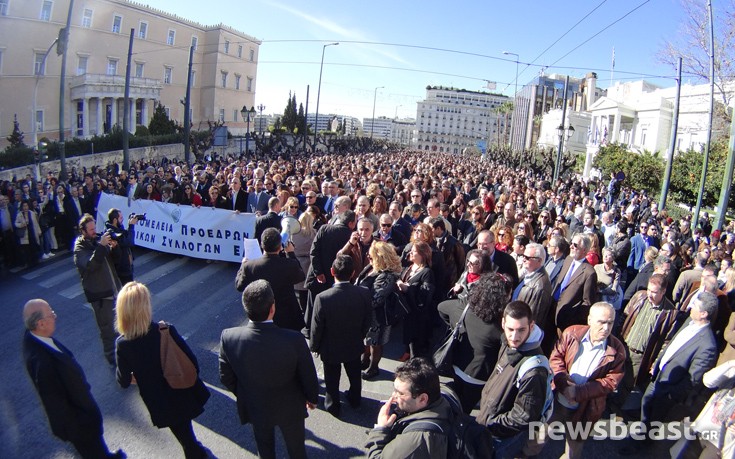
21, 222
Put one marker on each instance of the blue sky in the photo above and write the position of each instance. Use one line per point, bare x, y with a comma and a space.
293, 34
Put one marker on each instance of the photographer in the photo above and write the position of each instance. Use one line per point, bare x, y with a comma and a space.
122, 254
99, 280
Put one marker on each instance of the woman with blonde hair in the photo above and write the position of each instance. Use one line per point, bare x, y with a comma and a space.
302, 247
380, 278
139, 362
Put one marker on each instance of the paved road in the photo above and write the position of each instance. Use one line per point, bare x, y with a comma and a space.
201, 300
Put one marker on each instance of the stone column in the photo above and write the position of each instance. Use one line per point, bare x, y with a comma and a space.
100, 119
144, 112
616, 128
85, 117
131, 115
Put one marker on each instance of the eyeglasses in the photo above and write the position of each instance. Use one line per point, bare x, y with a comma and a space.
473, 262
386, 225
528, 257
293, 207
544, 217
52, 316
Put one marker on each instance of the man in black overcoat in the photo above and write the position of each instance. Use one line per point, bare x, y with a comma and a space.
271, 372
72, 412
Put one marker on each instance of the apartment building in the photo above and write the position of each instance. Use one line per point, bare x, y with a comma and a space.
224, 71
450, 120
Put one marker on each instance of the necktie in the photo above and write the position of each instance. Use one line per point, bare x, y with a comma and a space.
564, 281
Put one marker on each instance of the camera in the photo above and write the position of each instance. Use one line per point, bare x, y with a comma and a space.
113, 235
140, 217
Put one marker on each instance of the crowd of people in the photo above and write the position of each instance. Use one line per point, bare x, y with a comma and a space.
616, 305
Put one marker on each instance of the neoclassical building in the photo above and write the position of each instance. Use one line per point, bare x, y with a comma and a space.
223, 73
450, 120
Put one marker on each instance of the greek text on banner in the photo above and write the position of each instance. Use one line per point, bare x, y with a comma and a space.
213, 234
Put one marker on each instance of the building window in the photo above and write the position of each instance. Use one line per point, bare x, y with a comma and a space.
87, 18
82, 65
167, 75
39, 120
250, 84
237, 82
39, 64
227, 46
116, 23
4, 7
222, 115
234, 115
112, 66
46, 10
224, 79
143, 30
239, 51
194, 42
139, 69
252, 55
171, 37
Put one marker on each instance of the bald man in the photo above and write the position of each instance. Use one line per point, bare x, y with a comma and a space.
71, 410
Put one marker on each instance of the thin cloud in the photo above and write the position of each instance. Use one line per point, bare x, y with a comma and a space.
344, 33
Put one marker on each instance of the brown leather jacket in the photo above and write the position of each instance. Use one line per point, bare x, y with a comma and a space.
604, 379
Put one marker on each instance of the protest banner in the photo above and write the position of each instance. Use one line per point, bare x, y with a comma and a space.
199, 232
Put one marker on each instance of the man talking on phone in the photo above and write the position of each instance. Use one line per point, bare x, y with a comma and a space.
416, 398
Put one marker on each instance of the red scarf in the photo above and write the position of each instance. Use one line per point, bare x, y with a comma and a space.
472, 277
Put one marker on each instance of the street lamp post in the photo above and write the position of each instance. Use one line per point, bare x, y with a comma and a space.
38, 72
515, 96
372, 122
564, 134
261, 107
246, 114
319, 90
397, 107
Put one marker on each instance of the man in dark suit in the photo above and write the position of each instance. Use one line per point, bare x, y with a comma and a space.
284, 383
74, 212
558, 250
505, 263
327, 242
269, 220
386, 232
576, 287
237, 198
281, 272
677, 373
71, 410
258, 201
342, 318
400, 224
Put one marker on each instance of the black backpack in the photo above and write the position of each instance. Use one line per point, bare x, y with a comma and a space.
466, 437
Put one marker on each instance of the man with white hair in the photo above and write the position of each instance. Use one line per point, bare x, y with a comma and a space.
535, 287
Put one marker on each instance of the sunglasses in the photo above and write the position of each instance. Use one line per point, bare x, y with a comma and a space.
385, 225
293, 207
527, 257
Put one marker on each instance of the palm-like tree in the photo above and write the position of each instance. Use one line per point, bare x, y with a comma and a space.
505, 109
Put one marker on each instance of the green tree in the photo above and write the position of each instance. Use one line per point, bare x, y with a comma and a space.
16, 137
290, 116
643, 171
687, 170
300, 119
160, 123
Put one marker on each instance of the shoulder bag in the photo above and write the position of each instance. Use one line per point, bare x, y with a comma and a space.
178, 369
443, 354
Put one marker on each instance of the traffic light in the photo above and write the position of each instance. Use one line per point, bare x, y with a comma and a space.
62, 41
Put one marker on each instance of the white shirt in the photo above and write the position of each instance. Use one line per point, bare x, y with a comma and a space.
585, 363
681, 338
47, 341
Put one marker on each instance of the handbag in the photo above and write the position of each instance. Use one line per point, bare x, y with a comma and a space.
443, 354
178, 369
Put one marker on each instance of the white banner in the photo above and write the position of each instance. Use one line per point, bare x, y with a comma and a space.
206, 232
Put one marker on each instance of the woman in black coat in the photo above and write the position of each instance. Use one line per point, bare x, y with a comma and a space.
139, 362
417, 283
474, 357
